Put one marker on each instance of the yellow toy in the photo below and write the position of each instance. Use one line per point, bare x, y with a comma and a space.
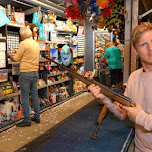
69, 25
52, 17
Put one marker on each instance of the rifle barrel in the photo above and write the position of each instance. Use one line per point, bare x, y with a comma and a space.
104, 90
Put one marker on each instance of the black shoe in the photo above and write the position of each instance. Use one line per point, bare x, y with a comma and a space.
23, 124
36, 120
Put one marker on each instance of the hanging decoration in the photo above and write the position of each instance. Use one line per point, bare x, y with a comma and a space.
107, 14
65, 55
93, 6
107, 10
102, 3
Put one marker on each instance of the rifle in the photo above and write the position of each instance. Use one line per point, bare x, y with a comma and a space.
100, 118
104, 89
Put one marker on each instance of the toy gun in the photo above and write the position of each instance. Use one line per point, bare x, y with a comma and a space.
104, 90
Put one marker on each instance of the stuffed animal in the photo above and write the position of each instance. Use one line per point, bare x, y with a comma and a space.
107, 10
72, 11
94, 7
26, 23
94, 19
102, 3
102, 22
34, 29
52, 17
68, 26
65, 55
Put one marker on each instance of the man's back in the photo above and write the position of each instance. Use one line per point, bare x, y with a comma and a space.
114, 57
28, 55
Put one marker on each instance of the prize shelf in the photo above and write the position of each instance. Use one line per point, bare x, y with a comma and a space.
3, 38
15, 25
57, 82
39, 87
53, 75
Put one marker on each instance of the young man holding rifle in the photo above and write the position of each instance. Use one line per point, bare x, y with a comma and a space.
138, 90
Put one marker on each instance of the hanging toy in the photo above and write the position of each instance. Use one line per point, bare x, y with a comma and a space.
94, 7
67, 3
102, 3
107, 10
65, 55
94, 19
72, 9
102, 22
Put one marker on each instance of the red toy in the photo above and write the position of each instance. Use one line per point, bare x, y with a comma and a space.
107, 10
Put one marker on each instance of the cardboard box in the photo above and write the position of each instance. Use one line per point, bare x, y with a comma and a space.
20, 18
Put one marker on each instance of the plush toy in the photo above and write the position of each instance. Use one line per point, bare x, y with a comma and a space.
68, 26
67, 3
94, 19
102, 3
45, 18
82, 7
34, 29
107, 10
82, 17
52, 17
94, 7
72, 11
74, 28
102, 22
65, 55
26, 23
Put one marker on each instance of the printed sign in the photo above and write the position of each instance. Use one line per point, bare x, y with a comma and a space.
15, 69
3, 75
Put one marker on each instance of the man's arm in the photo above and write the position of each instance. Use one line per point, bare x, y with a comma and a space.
11, 57
113, 107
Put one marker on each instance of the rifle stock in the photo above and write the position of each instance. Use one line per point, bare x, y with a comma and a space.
104, 90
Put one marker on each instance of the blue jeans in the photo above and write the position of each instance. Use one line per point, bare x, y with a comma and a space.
28, 84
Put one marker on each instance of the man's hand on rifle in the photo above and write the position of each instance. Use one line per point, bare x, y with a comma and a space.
112, 106
96, 92
133, 111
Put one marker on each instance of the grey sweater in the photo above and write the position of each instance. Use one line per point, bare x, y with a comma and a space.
139, 89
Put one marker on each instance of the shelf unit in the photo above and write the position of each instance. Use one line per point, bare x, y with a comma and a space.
39, 87
2, 38
43, 90
3, 54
